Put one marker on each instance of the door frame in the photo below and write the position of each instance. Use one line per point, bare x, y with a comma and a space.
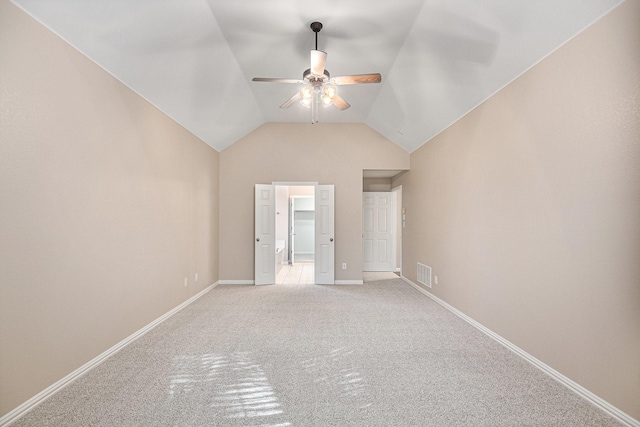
399, 227
296, 183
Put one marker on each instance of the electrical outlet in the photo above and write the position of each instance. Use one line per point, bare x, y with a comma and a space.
185, 281
196, 277
436, 279
344, 265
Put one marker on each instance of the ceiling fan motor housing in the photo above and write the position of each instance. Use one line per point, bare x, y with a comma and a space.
315, 80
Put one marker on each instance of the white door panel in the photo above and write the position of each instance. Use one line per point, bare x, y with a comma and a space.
324, 235
378, 239
265, 235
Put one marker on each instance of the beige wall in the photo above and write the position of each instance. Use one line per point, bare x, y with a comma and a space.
327, 153
106, 206
376, 184
528, 210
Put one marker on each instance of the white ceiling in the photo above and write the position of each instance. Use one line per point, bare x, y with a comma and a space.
194, 59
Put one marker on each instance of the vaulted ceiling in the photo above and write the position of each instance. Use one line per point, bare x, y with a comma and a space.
194, 59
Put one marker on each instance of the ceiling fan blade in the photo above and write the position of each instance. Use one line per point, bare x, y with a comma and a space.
318, 59
358, 79
339, 102
275, 80
289, 102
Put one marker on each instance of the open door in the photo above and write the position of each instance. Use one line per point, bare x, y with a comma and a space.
324, 235
265, 235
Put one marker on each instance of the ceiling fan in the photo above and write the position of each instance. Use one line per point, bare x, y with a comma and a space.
320, 87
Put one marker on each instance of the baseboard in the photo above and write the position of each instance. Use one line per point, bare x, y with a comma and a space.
21, 410
236, 282
618, 414
251, 282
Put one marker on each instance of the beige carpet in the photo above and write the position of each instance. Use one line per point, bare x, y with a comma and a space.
381, 354
374, 276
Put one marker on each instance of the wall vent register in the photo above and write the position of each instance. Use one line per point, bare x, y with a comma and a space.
424, 275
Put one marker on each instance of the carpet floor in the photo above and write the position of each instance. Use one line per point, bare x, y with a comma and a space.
380, 354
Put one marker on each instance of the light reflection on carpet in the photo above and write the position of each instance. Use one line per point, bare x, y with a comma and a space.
238, 386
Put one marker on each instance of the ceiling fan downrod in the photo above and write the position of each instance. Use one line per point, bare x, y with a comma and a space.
316, 27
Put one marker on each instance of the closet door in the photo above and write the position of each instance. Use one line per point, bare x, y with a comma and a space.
378, 238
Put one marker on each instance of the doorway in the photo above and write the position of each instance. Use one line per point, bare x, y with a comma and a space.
382, 221
301, 228
298, 227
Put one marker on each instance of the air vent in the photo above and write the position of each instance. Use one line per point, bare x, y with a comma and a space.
424, 275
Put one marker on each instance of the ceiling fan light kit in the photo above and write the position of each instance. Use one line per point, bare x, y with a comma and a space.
319, 87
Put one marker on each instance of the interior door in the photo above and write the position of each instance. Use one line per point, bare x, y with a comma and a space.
378, 238
265, 235
324, 235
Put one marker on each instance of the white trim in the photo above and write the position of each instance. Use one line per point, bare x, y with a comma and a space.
21, 410
237, 282
399, 228
348, 282
567, 382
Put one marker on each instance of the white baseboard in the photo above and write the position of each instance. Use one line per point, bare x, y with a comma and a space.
251, 282
21, 410
236, 282
618, 414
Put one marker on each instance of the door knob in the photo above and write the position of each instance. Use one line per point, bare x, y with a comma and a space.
258, 239
331, 239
